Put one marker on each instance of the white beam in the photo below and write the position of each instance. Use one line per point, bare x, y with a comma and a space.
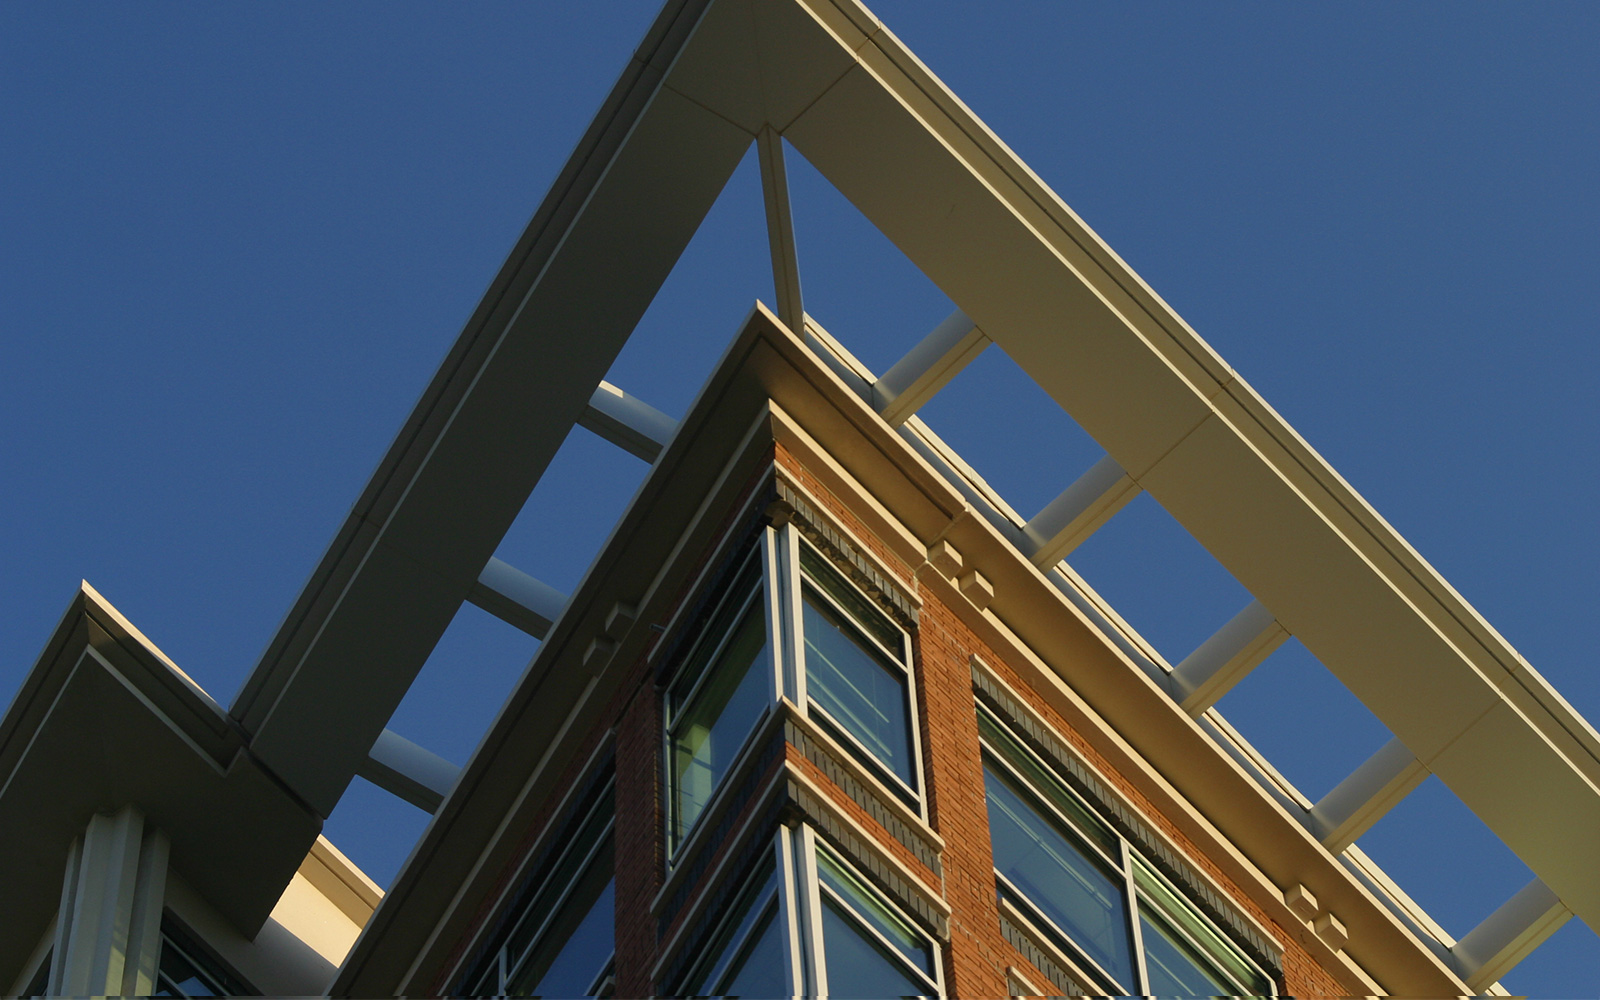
1220, 662
927, 368
628, 422
1361, 799
780, 230
1509, 934
1079, 511
517, 599
411, 772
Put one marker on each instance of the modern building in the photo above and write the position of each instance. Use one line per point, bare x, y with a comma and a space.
825, 715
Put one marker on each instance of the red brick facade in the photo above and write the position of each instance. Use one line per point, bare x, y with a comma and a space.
976, 955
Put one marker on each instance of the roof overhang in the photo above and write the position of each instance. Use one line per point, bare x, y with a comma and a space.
1037, 281
104, 720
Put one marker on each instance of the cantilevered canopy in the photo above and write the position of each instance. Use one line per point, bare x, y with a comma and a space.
712, 77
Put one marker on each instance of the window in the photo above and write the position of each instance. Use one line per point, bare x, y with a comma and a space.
558, 937
840, 658
187, 968
807, 923
1083, 886
718, 696
857, 671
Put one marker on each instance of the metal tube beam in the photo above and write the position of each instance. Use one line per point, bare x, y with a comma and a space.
1509, 934
414, 773
780, 230
1220, 662
628, 422
517, 599
1078, 512
1361, 799
927, 368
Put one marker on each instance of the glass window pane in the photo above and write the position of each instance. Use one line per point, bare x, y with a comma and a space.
872, 910
568, 867
859, 966
709, 731
853, 683
759, 972
1059, 878
187, 968
569, 961
1044, 783
1174, 968
754, 903
874, 621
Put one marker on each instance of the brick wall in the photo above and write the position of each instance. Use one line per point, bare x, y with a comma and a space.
978, 954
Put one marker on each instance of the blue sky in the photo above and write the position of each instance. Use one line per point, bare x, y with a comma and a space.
235, 242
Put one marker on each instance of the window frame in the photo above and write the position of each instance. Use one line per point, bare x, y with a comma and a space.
791, 544
796, 894
177, 936
1130, 868
781, 587
725, 587
499, 965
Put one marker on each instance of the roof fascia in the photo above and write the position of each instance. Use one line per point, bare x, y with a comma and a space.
502, 793
105, 719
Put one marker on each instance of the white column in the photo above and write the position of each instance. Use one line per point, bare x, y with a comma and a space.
1353, 805
628, 422
108, 933
517, 599
413, 773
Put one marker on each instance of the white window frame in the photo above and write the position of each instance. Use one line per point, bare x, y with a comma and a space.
782, 584
789, 543
1124, 867
797, 895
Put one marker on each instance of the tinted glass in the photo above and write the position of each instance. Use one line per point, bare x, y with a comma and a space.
750, 913
1175, 970
535, 919
759, 971
709, 730
910, 944
857, 965
866, 614
1059, 877
862, 691
575, 950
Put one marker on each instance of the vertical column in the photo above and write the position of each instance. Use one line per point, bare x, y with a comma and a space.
108, 933
975, 958
640, 853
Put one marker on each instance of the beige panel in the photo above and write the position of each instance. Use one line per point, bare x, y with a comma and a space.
720, 67
1518, 784
971, 141
1319, 588
801, 57
1013, 285
756, 62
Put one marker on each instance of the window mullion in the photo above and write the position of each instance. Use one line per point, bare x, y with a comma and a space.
786, 593
798, 913
1136, 932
